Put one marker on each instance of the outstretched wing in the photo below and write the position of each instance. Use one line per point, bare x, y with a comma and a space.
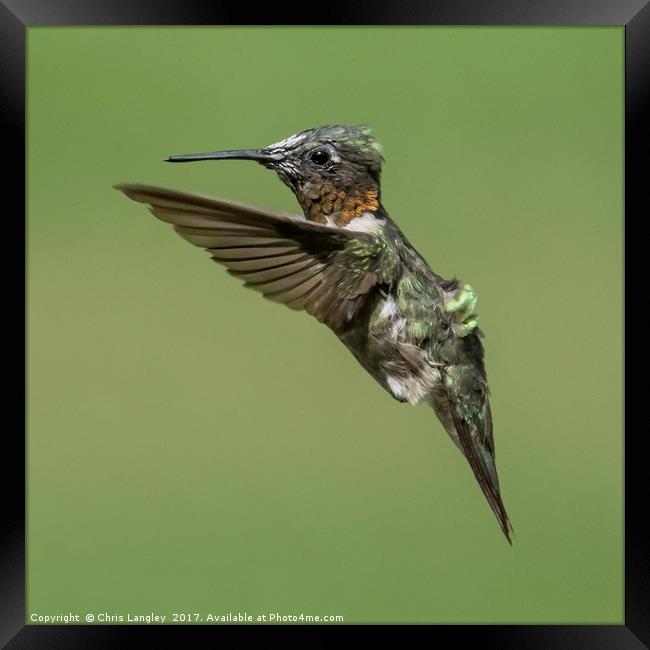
326, 271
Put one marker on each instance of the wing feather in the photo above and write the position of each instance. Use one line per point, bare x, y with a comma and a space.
250, 253
324, 270
261, 263
287, 281
274, 272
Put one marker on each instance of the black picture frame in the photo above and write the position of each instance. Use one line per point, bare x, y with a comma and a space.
17, 15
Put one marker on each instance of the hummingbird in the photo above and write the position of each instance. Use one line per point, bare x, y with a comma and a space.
346, 262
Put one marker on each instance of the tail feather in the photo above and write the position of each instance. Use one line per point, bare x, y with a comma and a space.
481, 460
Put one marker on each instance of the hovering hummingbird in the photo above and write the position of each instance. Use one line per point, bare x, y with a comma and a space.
346, 262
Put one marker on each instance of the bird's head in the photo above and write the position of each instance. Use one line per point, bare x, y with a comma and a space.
333, 170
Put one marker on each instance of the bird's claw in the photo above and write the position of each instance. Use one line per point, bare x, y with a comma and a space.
462, 306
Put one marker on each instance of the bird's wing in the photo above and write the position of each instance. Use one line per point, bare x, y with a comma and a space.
324, 270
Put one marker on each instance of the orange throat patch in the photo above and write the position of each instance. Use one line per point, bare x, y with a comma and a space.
326, 200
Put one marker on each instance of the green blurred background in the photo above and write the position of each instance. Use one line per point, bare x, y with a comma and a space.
195, 448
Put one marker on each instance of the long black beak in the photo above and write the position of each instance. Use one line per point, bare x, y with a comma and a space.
259, 155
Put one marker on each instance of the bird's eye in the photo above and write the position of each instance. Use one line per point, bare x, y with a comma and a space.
319, 157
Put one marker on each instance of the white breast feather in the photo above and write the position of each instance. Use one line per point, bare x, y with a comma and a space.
367, 222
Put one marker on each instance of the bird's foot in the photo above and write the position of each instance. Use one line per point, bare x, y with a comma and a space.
462, 305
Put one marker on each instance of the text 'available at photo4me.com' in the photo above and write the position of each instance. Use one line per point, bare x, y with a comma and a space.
158, 618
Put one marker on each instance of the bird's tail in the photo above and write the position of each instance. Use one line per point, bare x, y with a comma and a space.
473, 436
